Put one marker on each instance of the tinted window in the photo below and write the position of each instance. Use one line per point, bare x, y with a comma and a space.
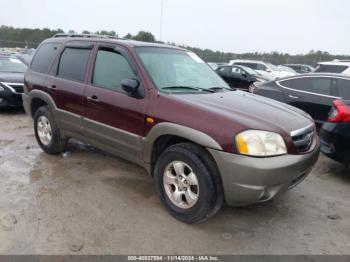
73, 64
331, 68
111, 69
286, 83
44, 56
344, 88
318, 85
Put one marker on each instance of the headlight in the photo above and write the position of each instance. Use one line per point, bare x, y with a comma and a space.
260, 143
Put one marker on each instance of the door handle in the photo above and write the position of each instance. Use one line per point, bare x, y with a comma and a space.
93, 99
294, 97
53, 87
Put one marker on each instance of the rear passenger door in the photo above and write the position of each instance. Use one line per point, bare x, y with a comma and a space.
114, 121
314, 95
67, 83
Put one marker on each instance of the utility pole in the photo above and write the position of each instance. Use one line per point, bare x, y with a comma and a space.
161, 20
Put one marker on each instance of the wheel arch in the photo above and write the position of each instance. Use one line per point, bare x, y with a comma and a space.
174, 133
37, 99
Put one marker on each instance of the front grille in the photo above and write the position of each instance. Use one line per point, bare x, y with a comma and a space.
303, 138
17, 88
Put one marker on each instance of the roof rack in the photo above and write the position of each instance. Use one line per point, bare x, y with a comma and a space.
85, 36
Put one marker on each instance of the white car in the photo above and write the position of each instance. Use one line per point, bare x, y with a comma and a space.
264, 68
335, 66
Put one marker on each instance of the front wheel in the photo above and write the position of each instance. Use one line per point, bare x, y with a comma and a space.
185, 184
46, 132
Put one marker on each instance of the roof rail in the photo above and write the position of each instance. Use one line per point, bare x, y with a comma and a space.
85, 36
341, 60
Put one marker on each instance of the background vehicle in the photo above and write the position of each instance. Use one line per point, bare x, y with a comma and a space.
313, 93
335, 133
164, 109
287, 69
241, 77
300, 68
262, 68
335, 66
11, 81
24, 58
216, 65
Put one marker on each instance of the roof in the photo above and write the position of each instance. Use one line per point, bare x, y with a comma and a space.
64, 38
318, 74
336, 62
247, 61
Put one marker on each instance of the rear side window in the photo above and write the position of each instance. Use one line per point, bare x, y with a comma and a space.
318, 85
44, 57
111, 68
73, 64
331, 68
344, 88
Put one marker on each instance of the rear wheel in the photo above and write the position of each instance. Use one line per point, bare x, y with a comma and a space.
46, 132
186, 185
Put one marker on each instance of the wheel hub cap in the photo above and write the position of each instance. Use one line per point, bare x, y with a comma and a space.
44, 130
181, 184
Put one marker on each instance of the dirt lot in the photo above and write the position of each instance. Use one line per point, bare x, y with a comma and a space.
87, 202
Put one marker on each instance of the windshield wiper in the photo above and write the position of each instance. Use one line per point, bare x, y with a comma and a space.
216, 88
187, 87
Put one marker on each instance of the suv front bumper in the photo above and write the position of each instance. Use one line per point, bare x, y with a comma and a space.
248, 180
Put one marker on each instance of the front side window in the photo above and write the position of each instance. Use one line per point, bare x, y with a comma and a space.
178, 70
73, 64
111, 68
236, 70
12, 65
261, 67
44, 57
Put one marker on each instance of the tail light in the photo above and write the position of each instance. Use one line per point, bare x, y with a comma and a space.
339, 113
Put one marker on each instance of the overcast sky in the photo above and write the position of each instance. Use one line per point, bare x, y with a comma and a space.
291, 26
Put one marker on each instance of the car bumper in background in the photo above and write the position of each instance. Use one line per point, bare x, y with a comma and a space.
335, 141
248, 180
9, 99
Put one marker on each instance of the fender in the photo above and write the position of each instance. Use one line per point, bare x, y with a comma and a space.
176, 130
27, 100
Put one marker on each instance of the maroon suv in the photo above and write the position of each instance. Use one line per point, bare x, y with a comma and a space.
163, 108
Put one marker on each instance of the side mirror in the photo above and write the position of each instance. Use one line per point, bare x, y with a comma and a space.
244, 75
268, 70
130, 86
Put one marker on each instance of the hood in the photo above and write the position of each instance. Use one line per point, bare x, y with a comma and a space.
12, 77
251, 111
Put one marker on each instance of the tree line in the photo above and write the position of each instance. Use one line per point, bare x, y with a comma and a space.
30, 38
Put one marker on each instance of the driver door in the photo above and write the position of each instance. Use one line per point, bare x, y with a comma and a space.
113, 119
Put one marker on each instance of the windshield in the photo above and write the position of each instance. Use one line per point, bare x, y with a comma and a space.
272, 67
12, 65
250, 71
178, 70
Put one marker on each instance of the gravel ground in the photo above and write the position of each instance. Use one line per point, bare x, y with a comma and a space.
88, 202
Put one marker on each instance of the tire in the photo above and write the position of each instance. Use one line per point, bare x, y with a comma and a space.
205, 199
57, 143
